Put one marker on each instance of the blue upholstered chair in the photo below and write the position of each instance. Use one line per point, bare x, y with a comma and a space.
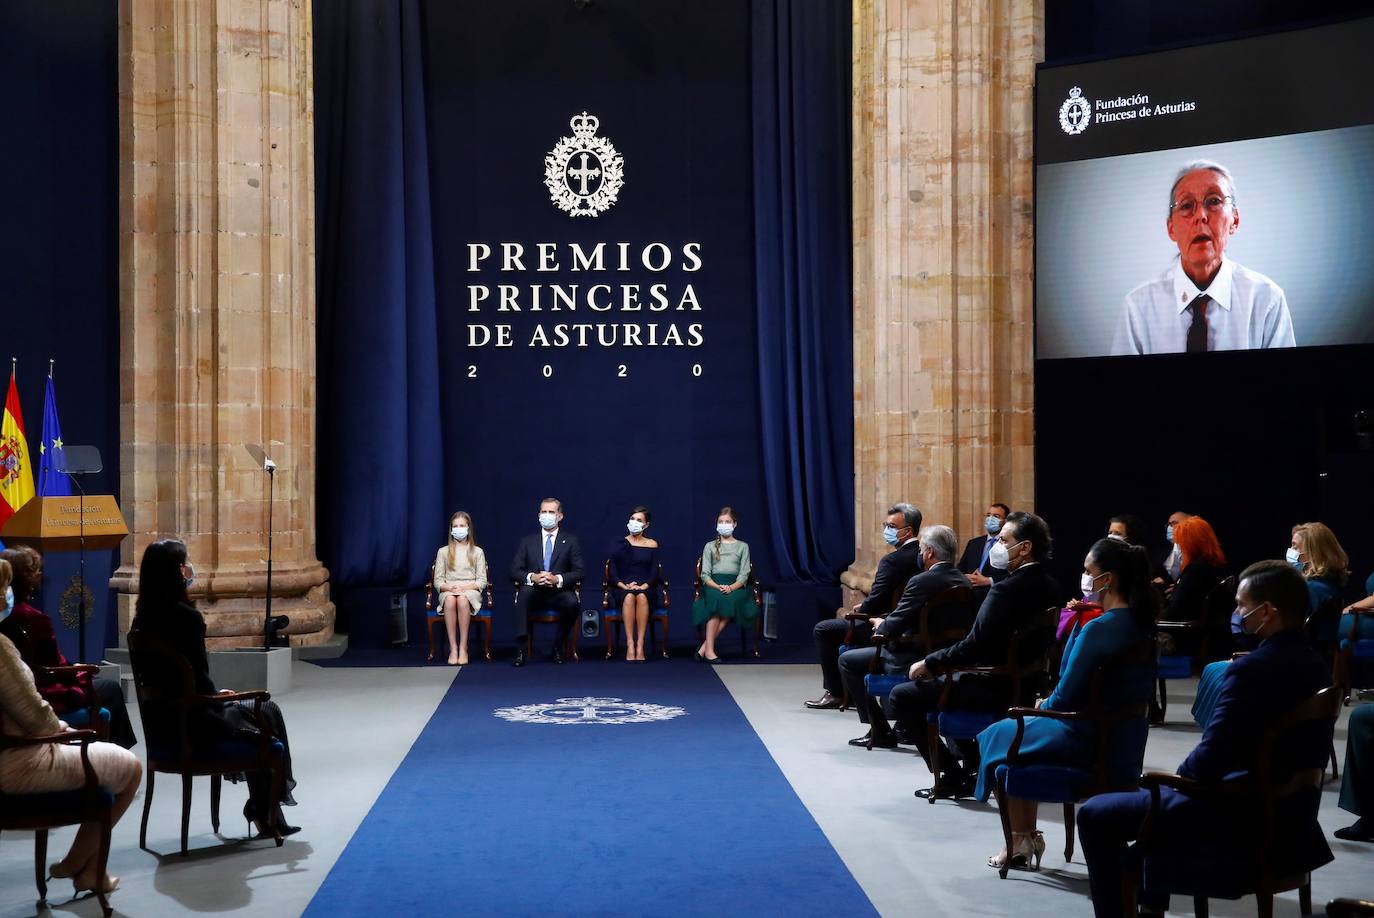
613, 616
1121, 734
541, 616
1225, 871
168, 734
1205, 635
38, 813
956, 612
1355, 654
1023, 669
434, 617
754, 588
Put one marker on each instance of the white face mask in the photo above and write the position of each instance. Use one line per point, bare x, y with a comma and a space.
1085, 586
548, 520
635, 527
999, 557
459, 532
725, 529
1294, 557
9, 604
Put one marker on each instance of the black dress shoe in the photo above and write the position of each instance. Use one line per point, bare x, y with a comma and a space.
519, 657
826, 702
881, 741
1357, 831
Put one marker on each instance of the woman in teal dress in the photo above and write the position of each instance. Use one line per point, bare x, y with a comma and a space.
725, 594
1117, 575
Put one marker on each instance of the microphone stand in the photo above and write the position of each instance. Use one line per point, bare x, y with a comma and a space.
271, 468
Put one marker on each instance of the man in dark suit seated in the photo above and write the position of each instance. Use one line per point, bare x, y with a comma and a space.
894, 570
548, 569
1026, 591
976, 561
1259, 688
936, 546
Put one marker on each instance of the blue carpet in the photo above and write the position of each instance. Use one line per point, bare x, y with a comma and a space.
688, 816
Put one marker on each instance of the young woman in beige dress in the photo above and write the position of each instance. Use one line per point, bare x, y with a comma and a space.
460, 576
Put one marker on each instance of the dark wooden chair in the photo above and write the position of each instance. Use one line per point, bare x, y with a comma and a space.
540, 616
434, 617
1267, 792
1020, 667
40, 812
173, 702
1205, 635
753, 586
1049, 783
853, 619
613, 616
87, 717
957, 612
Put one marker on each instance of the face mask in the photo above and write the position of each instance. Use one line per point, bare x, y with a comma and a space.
999, 557
635, 527
548, 520
1085, 586
1239, 618
992, 524
725, 529
459, 532
1116, 537
1169, 533
1294, 558
9, 604
890, 535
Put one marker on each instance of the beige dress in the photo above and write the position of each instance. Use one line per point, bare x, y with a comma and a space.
461, 572
50, 767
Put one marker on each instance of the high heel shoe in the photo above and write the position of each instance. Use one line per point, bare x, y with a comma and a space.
1023, 850
1038, 845
109, 885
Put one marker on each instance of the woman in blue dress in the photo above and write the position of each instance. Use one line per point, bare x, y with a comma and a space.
1118, 576
635, 584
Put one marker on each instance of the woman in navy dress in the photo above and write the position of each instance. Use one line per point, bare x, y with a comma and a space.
1118, 576
634, 582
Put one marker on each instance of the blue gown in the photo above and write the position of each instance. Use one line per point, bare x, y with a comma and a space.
1074, 743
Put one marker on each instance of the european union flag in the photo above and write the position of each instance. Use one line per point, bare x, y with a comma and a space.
51, 482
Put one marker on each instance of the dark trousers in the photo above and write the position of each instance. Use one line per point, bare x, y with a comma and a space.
854, 665
259, 782
912, 701
1108, 823
561, 600
112, 699
1357, 784
829, 636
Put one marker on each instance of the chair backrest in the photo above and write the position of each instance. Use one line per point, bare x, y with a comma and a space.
951, 626
165, 684
1113, 673
1220, 602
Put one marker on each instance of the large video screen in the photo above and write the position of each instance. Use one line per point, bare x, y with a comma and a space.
1210, 198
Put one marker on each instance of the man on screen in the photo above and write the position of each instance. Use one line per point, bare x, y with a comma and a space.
1204, 301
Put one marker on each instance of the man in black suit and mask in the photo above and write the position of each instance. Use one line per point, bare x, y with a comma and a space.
548, 570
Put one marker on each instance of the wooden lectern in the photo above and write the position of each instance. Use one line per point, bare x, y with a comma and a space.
55, 523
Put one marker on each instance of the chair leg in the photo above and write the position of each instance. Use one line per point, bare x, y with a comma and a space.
429, 629
1264, 905
1163, 700
1130, 887
933, 744
214, 803
40, 857
185, 811
1068, 831
1305, 898
1200, 906
102, 860
1335, 771
147, 805
486, 638
1005, 812
610, 643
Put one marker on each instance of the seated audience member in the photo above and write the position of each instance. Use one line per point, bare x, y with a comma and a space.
547, 568
936, 551
1200, 569
1258, 689
976, 561
164, 610
1127, 527
56, 767
1169, 562
725, 593
1366, 620
1357, 785
894, 570
635, 587
32, 634
1026, 591
1118, 576
460, 576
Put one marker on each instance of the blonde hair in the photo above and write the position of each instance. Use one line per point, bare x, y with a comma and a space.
6, 573
453, 543
1325, 557
724, 511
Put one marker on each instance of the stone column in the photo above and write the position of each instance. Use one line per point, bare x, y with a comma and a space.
217, 305
942, 261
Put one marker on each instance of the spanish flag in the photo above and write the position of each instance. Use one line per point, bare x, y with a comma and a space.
16, 477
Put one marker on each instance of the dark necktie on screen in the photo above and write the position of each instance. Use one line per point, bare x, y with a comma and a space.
1197, 332
548, 551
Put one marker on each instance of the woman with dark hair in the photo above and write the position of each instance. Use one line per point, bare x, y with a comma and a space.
1127, 527
164, 610
634, 581
1118, 576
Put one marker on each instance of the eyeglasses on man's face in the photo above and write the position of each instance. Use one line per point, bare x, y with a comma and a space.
1211, 204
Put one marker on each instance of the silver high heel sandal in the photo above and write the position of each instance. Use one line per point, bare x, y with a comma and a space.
1024, 848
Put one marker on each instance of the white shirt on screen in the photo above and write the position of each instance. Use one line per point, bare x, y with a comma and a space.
1246, 311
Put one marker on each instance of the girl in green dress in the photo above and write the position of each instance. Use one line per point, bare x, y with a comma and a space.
725, 594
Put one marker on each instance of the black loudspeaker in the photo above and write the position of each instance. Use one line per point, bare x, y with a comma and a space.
591, 623
396, 629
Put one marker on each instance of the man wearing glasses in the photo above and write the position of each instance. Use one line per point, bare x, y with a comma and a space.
1204, 301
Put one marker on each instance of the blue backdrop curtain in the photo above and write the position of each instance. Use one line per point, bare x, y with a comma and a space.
381, 485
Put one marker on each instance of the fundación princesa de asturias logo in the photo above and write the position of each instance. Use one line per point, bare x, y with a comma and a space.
584, 172
1076, 112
